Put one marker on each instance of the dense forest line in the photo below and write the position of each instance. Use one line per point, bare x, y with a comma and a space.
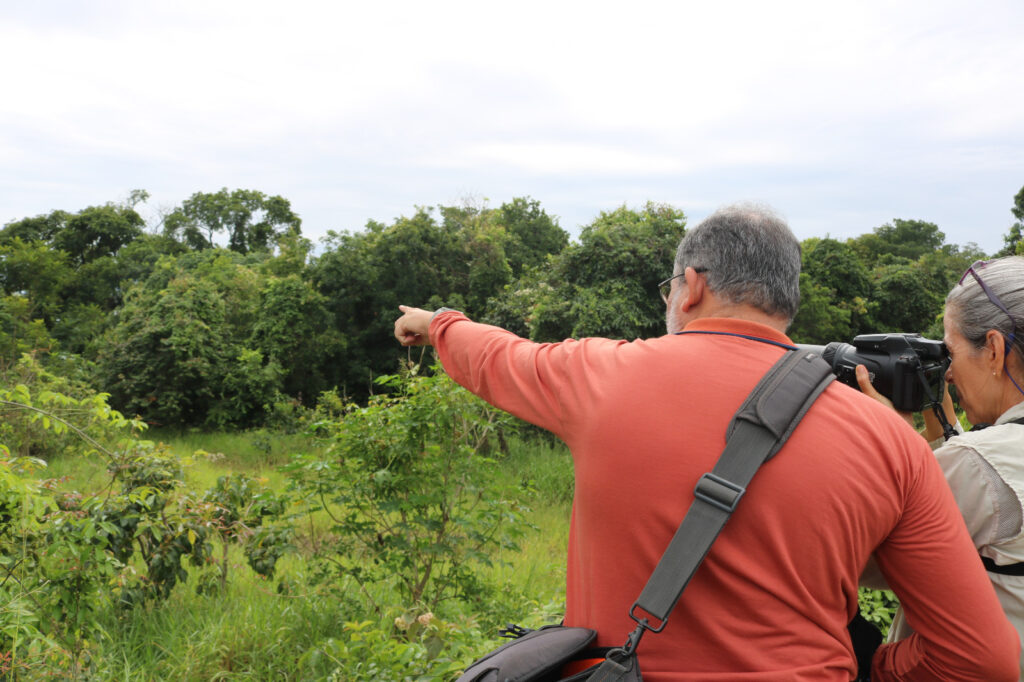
225, 316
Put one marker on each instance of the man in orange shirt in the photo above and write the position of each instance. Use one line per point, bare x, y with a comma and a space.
644, 420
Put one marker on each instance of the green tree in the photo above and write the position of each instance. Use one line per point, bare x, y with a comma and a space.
904, 300
346, 275
238, 282
533, 234
19, 332
365, 276
137, 259
835, 287
91, 233
530, 307
836, 266
96, 289
480, 267
165, 358
909, 239
175, 358
605, 285
461, 261
819, 320
1013, 238
72, 267
211, 338
293, 328
292, 257
940, 271
38, 273
251, 220
41, 228
98, 231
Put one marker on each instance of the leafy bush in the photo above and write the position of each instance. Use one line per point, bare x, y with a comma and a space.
408, 485
878, 607
44, 415
427, 649
65, 557
239, 505
55, 565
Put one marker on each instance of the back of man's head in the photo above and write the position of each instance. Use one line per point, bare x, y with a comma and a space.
750, 255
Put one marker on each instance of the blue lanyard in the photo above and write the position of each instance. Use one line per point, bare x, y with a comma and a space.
743, 336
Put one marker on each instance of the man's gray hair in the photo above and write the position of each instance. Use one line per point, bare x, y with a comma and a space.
750, 255
974, 314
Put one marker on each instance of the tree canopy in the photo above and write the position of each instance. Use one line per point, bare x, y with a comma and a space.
225, 314
250, 219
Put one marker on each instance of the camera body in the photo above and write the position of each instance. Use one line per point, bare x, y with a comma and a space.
896, 363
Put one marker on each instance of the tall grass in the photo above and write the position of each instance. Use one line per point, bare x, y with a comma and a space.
544, 467
248, 632
249, 451
257, 453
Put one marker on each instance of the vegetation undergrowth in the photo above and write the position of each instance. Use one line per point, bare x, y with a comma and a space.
387, 542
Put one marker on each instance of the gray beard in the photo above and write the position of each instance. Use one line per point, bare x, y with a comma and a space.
671, 320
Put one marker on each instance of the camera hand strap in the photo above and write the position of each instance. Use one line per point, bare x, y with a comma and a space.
758, 429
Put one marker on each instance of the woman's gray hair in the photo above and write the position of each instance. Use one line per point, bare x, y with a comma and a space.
974, 314
750, 255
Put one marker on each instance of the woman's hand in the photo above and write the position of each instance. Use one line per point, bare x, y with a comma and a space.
864, 381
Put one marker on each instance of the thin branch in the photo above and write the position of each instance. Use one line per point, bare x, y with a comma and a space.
326, 508
10, 570
82, 434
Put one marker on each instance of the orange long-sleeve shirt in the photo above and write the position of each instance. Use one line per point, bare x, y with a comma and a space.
644, 420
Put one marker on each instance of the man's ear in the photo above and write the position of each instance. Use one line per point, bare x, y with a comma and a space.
695, 288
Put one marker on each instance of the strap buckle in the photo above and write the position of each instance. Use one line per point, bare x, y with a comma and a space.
718, 492
634, 637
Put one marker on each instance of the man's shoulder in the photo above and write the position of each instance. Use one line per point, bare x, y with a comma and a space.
859, 407
847, 413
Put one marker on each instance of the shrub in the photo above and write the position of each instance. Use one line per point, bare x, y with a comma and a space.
64, 557
408, 485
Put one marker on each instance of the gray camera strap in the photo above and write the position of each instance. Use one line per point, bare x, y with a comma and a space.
757, 431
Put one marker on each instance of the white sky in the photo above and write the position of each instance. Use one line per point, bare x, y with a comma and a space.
842, 116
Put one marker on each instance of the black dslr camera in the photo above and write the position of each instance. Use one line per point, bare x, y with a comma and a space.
901, 366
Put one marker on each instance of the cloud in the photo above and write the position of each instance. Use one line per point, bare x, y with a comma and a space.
363, 110
561, 159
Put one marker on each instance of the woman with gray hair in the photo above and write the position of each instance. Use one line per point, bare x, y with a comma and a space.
984, 334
